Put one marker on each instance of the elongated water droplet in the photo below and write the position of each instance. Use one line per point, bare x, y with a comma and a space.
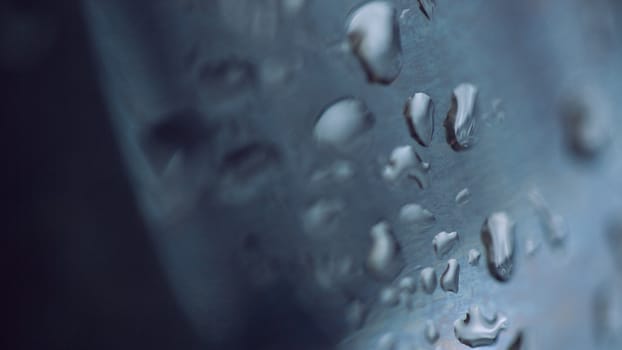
427, 7
475, 329
404, 160
498, 238
389, 296
460, 121
340, 170
374, 37
430, 332
474, 256
408, 284
451, 276
384, 260
342, 122
428, 280
463, 196
419, 114
321, 215
443, 242
413, 213
553, 225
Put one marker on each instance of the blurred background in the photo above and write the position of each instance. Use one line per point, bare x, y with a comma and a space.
249, 174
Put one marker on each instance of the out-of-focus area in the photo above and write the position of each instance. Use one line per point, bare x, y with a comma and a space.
312, 174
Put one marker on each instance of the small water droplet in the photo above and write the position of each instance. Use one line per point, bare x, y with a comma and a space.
443, 242
374, 37
407, 284
427, 7
517, 343
498, 238
404, 160
463, 196
614, 240
320, 216
387, 341
607, 313
389, 296
475, 329
451, 276
428, 280
340, 170
413, 213
246, 171
460, 121
227, 82
586, 124
342, 121
419, 114
553, 225
292, 7
384, 260
474, 256
355, 314
531, 246
406, 299
404, 13
430, 332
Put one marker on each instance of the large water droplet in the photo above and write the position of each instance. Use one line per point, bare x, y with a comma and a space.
475, 329
413, 213
430, 332
374, 37
404, 160
498, 238
419, 114
553, 225
384, 260
247, 170
460, 121
321, 215
474, 256
586, 122
443, 242
428, 280
342, 121
451, 276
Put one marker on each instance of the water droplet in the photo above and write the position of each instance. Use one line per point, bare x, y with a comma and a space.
413, 213
553, 225
355, 314
227, 82
292, 7
427, 7
451, 276
430, 332
404, 13
531, 247
384, 260
340, 170
321, 215
387, 342
389, 296
428, 280
463, 196
498, 238
443, 242
406, 299
342, 121
407, 284
586, 122
474, 255
246, 171
517, 343
460, 121
475, 329
374, 37
419, 114
614, 240
404, 160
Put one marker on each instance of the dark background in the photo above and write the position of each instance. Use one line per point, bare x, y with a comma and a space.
80, 270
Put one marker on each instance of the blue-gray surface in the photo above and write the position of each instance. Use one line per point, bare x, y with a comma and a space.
215, 102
